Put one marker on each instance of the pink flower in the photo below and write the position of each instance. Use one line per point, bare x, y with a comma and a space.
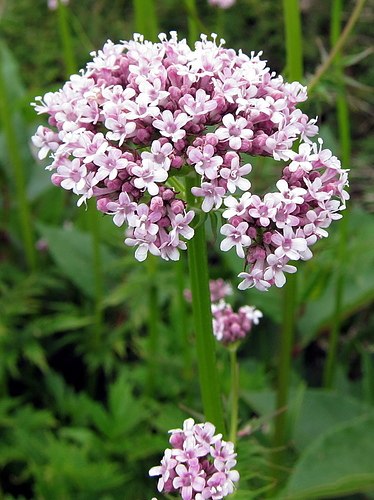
235, 237
234, 174
212, 195
234, 131
171, 126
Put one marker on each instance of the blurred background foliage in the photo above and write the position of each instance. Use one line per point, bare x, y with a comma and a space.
96, 349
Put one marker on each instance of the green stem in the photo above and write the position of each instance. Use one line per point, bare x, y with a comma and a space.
181, 318
66, 40
234, 396
337, 46
7, 115
94, 224
153, 325
345, 143
193, 21
202, 315
146, 19
292, 23
284, 363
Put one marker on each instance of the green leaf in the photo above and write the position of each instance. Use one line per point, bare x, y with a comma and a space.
321, 411
71, 249
339, 462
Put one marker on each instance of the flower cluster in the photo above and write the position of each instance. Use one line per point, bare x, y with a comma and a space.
198, 466
230, 326
122, 130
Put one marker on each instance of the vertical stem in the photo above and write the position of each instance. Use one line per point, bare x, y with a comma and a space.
146, 18
193, 28
284, 363
234, 396
181, 318
295, 72
153, 325
292, 23
13, 150
66, 39
97, 271
202, 315
345, 147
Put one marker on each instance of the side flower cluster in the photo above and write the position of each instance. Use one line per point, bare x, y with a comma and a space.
230, 326
122, 130
198, 465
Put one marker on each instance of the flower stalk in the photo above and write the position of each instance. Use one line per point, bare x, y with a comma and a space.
202, 315
234, 395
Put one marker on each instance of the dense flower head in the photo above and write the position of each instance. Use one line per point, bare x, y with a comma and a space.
122, 129
198, 465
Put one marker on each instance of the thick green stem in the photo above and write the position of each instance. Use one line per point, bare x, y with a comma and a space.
94, 226
284, 363
202, 315
66, 39
181, 318
153, 325
146, 18
292, 23
345, 147
234, 393
13, 149
193, 21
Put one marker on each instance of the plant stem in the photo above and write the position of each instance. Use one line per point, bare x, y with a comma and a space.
193, 25
181, 318
337, 46
292, 23
284, 364
66, 40
153, 325
7, 115
234, 396
146, 18
97, 272
345, 146
202, 315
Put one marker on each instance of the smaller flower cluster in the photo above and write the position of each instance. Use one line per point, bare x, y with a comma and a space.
230, 326
199, 464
